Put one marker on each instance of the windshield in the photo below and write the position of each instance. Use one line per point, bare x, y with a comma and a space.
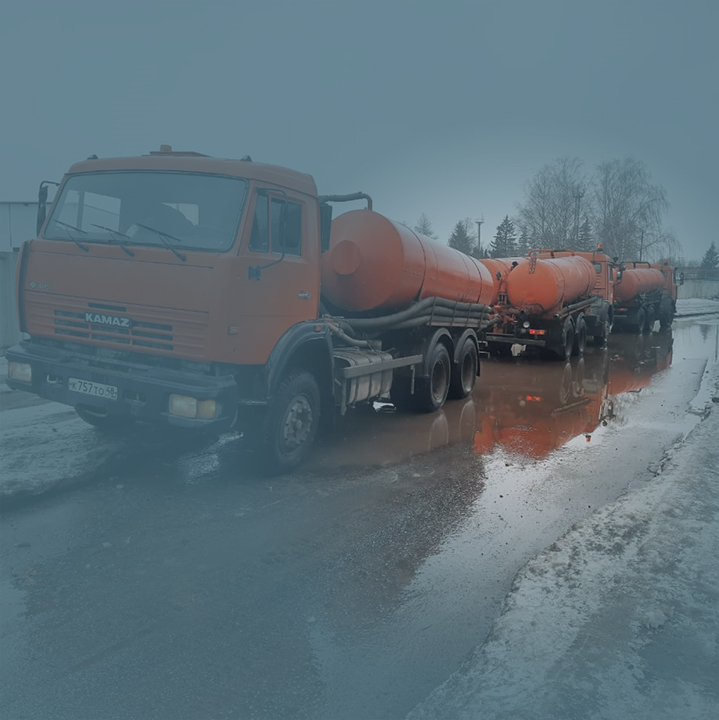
186, 210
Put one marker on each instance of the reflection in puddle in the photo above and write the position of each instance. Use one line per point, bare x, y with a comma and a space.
526, 407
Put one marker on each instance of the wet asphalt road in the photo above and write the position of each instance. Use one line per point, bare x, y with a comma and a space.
174, 582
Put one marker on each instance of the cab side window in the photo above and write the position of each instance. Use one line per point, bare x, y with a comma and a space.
266, 226
260, 237
293, 230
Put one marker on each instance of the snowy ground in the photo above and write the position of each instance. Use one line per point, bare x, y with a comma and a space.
620, 617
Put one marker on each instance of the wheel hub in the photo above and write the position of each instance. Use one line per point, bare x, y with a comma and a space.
298, 424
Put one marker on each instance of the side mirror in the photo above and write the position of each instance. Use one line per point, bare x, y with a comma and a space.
325, 226
42, 203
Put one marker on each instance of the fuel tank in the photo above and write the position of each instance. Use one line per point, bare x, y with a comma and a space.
499, 269
637, 281
376, 264
543, 285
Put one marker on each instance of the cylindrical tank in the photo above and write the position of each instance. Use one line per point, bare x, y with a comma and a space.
637, 281
374, 263
499, 269
543, 285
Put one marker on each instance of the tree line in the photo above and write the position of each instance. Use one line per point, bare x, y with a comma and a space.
617, 207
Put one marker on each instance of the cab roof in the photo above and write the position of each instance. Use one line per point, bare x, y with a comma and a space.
168, 160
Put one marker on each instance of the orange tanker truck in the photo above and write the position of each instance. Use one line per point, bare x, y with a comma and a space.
643, 294
199, 292
552, 300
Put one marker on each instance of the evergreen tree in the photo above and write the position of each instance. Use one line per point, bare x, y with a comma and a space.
462, 238
424, 227
586, 237
505, 240
711, 258
523, 243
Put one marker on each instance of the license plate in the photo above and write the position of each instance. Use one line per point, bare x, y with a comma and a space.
92, 388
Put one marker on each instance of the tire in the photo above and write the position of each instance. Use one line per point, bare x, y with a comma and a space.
464, 371
651, 319
103, 421
666, 313
641, 320
291, 423
580, 336
564, 350
431, 392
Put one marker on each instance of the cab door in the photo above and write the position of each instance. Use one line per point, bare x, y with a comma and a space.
278, 278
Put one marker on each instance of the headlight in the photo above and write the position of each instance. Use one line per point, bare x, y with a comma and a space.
19, 371
525, 324
190, 407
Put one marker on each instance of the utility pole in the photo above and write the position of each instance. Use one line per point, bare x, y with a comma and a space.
479, 234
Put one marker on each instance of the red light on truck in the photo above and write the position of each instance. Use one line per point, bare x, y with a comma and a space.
537, 332
533, 398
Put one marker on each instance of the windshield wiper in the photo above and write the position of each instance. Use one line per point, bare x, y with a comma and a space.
121, 243
163, 236
71, 236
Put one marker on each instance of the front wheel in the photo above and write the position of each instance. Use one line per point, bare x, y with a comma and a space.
291, 423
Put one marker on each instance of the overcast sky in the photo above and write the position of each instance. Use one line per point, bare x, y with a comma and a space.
446, 108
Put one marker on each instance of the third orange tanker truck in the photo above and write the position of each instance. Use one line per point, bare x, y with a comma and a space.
198, 292
553, 300
643, 294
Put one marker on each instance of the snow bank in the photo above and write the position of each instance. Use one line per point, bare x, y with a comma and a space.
619, 618
692, 307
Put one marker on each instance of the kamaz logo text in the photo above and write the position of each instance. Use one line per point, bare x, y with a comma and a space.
98, 319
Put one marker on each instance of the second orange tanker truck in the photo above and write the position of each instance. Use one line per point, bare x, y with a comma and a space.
197, 292
552, 300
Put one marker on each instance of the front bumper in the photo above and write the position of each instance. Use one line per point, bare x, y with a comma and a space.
143, 391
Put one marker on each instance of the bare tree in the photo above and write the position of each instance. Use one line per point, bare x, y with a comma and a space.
553, 202
628, 211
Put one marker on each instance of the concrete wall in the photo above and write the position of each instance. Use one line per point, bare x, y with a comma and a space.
9, 331
698, 289
17, 223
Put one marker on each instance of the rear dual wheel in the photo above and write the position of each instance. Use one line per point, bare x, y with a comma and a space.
431, 392
580, 336
464, 371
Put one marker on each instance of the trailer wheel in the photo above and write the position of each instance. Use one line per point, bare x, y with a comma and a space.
464, 371
431, 392
291, 423
567, 346
580, 336
103, 421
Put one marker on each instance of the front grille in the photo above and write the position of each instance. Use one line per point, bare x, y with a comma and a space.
140, 334
150, 329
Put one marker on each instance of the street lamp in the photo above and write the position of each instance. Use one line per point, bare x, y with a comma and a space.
479, 235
